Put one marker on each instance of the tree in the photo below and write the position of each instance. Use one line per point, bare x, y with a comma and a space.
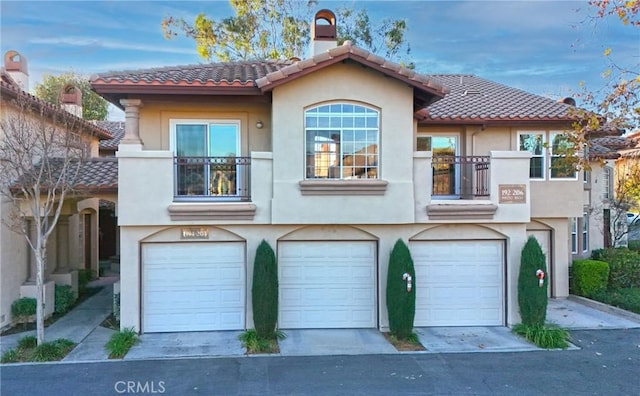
41, 152
626, 198
94, 107
532, 299
277, 29
401, 291
264, 291
616, 105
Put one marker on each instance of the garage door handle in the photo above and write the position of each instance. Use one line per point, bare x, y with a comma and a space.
406, 277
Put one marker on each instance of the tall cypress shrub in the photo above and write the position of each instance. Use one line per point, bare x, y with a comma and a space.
532, 298
401, 304
264, 291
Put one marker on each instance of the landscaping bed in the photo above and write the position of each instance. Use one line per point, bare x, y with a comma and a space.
28, 351
22, 327
409, 344
625, 298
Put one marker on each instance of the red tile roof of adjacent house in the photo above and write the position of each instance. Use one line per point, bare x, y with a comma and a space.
98, 175
476, 100
116, 129
10, 90
95, 175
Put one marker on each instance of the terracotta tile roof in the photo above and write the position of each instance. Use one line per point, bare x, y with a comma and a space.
256, 77
350, 51
116, 129
608, 147
230, 74
10, 90
98, 175
473, 99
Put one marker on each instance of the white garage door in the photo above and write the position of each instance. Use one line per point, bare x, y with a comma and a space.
193, 286
327, 284
459, 283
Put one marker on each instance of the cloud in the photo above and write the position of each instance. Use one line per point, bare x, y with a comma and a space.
78, 41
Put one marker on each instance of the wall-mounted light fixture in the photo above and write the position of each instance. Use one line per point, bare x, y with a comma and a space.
259, 124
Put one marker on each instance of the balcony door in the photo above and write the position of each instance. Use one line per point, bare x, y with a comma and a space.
206, 155
446, 171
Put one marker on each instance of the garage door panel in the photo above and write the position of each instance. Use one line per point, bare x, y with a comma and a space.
458, 283
327, 284
193, 287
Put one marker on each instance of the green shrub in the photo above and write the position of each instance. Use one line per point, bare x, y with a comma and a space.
51, 351
589, 277
264, 291
27, 342
10, 356
548, 337
256, 344
64, 298
624, 268
635, 246
532, 299
401, 304
84, 277
120, 343
599, 254
627, 298
23, 307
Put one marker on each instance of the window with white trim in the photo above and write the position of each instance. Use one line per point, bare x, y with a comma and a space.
606, 182
342, 141
574, 235
533, 142
207, 158
585, 232
561, 165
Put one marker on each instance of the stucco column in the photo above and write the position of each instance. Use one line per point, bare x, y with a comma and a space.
32, 257
132, 121
62, 245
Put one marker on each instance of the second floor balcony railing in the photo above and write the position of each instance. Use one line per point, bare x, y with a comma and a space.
464, 177
220, 178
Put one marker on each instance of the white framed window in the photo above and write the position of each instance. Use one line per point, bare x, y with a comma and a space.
341, 141
534, 143
560, 165
585, 232
574, 235
606, 182
207, 158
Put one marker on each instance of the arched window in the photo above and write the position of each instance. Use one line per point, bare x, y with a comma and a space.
341, 141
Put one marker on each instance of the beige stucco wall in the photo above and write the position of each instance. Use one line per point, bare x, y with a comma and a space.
13, 266
346, 83
155, 120
514, 236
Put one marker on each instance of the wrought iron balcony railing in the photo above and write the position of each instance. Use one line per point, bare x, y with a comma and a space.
224, 178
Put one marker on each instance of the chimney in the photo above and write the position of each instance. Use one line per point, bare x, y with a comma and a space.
16, 66
323, 32
71, 99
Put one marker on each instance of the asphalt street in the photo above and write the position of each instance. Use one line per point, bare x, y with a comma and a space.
607, 363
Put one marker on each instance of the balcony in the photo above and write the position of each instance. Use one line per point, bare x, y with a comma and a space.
491, 188
460, 177
212, 178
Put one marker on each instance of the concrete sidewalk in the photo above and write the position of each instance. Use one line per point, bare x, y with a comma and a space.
76, 325
82, 326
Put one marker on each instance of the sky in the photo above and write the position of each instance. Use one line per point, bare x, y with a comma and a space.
545, 47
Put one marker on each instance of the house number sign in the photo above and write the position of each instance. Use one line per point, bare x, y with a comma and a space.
512, 193
194, 233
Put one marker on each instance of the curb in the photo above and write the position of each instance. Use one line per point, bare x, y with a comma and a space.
634, 317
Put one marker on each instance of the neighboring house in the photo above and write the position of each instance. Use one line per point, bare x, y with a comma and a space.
73, 245
109, 234
332, 159
596, 228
